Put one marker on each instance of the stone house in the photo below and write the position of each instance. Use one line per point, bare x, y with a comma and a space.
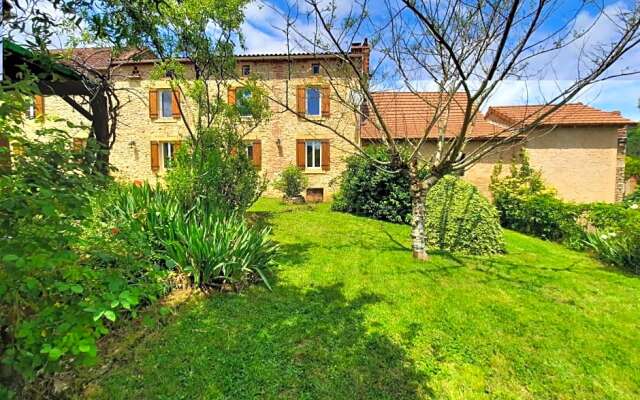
579, 148
151, 128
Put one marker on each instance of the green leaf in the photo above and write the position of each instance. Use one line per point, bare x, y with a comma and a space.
110, 315
55, 354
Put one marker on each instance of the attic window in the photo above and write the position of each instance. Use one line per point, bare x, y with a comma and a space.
315, 69
246, 70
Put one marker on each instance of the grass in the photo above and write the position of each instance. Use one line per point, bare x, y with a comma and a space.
352, 316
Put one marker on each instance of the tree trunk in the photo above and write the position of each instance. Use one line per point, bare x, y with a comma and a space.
418, 192
418, 213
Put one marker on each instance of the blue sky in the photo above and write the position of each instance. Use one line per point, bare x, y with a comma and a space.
262, 30
263, 35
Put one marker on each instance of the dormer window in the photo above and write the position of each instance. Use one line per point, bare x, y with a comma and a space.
315, 69
246, 70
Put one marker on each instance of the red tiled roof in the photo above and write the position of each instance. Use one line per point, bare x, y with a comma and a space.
97, 58
407, 115
568, 114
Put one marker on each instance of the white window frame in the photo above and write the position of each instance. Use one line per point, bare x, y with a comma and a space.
160, 109
31, 111
172, 150
306, 99
313, 155
249, 145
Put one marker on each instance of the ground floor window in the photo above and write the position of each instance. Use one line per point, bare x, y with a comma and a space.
168, 154
313, 153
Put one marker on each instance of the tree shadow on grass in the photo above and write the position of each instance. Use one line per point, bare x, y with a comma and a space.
290, 344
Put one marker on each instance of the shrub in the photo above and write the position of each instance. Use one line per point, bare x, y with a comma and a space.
621, 250
633, 200
212, 246
632, 167
65, 276
219, 249
527, 205
368, 190
611, 231
216, 170
291, 182
460, 219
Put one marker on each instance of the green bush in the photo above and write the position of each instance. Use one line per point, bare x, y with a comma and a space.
212, 246
611, 231
368, 190
632, 167
460, 219
291, 182
218, 249
66, 276
526, 205
633, 200
217, 171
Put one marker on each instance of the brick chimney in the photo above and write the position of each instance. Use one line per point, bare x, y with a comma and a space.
362, 50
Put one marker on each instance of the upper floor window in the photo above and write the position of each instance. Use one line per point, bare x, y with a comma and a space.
243, 97
166, 103
315, 69
313, 153
313, 101
246, 70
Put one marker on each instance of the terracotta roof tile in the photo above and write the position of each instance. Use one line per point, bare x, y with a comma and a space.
97, 58
408, 114
568, 114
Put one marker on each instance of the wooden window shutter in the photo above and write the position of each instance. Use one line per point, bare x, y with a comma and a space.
326, 155
257, 154
176, 146
300, 153
326, 101
301, 108
175, 104
5, 154
153, 103
231, 96
38, 104
155, 156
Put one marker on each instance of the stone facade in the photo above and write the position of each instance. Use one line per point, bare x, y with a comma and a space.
582, 163
131, 154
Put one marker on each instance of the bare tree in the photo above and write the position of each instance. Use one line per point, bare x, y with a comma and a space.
464, 50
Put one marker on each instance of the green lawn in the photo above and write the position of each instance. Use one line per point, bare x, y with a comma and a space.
352, 316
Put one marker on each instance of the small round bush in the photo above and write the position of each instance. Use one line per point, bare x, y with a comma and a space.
292, 181
460, 219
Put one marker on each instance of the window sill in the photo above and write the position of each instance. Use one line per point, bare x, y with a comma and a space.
314, 171
166, 120
314, 117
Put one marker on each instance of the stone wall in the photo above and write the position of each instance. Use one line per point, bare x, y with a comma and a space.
582, 163
131, 153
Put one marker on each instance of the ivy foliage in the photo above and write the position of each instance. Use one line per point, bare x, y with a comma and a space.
460, 219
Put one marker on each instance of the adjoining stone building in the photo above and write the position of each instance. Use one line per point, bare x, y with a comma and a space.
579, 149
